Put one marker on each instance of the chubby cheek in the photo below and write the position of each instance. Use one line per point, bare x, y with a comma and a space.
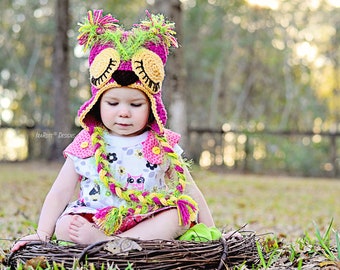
144, 117
107, 114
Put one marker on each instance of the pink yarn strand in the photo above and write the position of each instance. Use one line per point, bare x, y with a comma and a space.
183, 207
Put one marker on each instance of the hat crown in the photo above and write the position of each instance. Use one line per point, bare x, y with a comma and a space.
153, 33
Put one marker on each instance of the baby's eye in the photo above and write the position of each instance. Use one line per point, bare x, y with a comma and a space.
112, 103
136, 104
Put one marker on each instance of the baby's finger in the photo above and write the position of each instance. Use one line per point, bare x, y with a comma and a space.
18, 245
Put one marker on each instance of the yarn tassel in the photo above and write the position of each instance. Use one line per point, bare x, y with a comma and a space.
187, 210
109, 219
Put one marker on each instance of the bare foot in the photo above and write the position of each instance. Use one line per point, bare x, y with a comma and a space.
82, 231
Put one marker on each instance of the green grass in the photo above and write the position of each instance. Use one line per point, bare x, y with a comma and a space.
23, 188
295, 217
282, 205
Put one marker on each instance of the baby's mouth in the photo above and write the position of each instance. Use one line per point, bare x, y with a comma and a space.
123, 124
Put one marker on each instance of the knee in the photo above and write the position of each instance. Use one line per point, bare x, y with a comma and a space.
182, 229
179, 229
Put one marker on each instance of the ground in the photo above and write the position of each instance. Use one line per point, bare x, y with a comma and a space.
286, 212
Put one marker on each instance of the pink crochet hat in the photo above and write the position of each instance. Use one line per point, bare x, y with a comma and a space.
133, 59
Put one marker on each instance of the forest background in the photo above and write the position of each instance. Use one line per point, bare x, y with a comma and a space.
254, 86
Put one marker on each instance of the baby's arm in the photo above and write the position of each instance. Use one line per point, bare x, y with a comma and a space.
55, 202
204, 214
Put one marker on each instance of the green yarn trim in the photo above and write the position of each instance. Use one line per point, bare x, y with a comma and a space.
153, 29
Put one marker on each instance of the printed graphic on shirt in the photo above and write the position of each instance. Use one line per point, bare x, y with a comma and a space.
111, 157
135, 182
95, 192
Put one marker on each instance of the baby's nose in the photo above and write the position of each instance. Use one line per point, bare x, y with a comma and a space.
124, 112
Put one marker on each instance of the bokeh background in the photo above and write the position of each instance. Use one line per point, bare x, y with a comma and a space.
254, 86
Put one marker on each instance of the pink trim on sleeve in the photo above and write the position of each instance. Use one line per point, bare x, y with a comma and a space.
152, 149
81, 146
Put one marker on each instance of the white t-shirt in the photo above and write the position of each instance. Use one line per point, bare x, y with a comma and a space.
128, 167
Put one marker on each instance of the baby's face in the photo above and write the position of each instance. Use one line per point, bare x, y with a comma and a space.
124, 111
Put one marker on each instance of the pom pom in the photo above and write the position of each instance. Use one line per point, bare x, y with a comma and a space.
164, 30
96, 25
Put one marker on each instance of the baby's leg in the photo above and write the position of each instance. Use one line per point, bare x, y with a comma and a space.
162, 226
62, 228
79, 230
82, 231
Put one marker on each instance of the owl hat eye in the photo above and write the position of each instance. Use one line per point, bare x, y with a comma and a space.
121, 58
149, 68
103, 66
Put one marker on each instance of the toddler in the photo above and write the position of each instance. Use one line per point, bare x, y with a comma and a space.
133, 181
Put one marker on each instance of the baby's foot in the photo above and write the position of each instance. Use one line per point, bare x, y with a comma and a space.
82, 231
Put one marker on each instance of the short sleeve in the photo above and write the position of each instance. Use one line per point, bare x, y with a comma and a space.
81, 146
178, 150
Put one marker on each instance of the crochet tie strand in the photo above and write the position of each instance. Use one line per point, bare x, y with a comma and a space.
109, 219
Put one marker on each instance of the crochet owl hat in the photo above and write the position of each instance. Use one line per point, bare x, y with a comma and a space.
120, 58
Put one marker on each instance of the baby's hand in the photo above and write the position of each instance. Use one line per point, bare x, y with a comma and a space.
29, 238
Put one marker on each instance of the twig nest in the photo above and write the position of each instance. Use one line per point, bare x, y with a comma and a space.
152, 254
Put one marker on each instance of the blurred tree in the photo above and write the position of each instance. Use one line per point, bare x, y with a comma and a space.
256, 63
61, 116
25, 61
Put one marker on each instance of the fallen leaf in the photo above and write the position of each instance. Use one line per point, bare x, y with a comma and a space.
35, 262
121, 246
330, 265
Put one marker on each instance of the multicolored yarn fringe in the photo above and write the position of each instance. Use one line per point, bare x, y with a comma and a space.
109, 219
94, 31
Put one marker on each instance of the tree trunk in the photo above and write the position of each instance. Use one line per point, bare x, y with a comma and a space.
174, 92
62, 119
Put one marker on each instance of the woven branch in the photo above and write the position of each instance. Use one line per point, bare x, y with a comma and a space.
152, 254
